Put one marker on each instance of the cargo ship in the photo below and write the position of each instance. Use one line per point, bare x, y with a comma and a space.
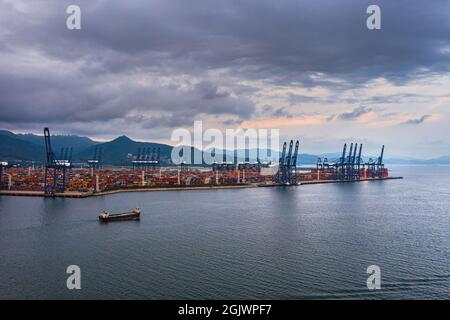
133, 215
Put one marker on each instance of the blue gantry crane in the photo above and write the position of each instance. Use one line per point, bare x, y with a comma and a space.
376, 166
55, 169
96, 161
287, 173
348, 166
358, 163
380, 164
281, 160
147, 158
340, 164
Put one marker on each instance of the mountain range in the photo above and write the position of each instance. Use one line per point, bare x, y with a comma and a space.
30, 147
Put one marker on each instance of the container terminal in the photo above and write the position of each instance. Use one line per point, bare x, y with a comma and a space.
59, 178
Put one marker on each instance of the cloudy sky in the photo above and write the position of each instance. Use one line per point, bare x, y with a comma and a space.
310, 68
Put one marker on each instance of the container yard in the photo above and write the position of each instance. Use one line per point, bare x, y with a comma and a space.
104, 180
59, 177
83, 181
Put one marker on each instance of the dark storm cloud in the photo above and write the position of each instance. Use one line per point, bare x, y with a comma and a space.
298, 99
210, 91
47, 101
262, 36
290, 42
276, 112
355, 114
418, 120
232, 122
401, 98
331, 118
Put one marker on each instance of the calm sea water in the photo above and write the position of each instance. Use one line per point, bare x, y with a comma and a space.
267, 243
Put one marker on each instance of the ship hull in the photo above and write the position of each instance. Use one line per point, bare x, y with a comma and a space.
120, 217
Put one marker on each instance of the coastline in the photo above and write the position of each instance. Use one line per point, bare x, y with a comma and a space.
177, 188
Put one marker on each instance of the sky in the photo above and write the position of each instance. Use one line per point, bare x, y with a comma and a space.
310, 68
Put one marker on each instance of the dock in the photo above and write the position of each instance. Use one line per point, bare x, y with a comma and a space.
179, 188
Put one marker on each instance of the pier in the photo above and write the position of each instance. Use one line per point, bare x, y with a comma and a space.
20, 193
